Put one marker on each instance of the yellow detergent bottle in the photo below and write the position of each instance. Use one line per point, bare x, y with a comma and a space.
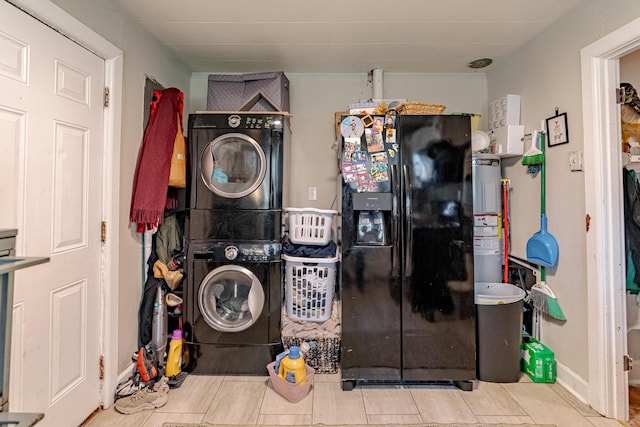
292, 366
174, 359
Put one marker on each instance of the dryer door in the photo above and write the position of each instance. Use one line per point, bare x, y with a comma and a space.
233, 165
230, 298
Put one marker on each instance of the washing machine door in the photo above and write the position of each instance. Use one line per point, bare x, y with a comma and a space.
230, 298
233, 165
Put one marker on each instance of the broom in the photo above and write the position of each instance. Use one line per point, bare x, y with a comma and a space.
543, 299
533, 156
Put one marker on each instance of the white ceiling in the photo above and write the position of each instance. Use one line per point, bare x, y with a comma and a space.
340, 36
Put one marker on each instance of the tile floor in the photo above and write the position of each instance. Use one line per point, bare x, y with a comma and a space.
253, 401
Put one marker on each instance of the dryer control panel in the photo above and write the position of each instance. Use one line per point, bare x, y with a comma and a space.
238, 121
237, 252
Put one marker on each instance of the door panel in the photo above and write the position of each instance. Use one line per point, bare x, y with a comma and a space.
70, 187
51, 122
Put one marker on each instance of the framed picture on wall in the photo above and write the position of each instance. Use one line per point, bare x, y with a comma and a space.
557, 130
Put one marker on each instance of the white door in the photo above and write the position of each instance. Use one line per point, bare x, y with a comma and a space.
51, 133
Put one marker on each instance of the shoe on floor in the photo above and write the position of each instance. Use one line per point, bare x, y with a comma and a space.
131, 385
146, 399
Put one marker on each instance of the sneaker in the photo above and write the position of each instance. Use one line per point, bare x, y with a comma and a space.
146, 399
130, 386
162, 384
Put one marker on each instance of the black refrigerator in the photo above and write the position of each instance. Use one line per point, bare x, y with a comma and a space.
408, 313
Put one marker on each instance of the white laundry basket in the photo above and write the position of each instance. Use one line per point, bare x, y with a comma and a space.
310, 226
309, 287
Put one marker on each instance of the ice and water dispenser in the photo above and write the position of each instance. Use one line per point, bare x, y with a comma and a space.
372, 212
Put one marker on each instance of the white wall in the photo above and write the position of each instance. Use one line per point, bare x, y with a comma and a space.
142, 56
546, 73
314, 99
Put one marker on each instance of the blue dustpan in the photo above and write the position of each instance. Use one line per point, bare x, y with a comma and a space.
542, 247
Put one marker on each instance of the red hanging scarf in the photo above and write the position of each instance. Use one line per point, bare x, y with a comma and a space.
150, 196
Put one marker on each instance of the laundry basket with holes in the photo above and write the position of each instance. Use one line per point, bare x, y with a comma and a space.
309, 287
310, 226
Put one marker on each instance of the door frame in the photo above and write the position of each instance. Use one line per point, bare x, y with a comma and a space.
56, 18
605, 260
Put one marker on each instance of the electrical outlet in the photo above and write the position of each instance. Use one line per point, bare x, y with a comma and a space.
575, 160
313, 193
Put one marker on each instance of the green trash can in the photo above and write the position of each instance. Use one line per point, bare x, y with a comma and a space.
498, 331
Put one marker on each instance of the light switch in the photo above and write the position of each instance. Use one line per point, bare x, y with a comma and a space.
313, 193
575, 160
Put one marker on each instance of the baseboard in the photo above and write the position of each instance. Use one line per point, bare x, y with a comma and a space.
572, 382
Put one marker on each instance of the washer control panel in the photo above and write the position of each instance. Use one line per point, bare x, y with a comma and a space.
238, 252
230, 253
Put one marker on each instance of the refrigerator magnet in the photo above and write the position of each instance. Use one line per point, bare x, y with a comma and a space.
391, 135
349, 177
363, 184
379, 161
360, 156
360, 167
374, 141
378, 124
390, 121
349, 148
351, 127
348, 173
379, 167
380, 176
363, 178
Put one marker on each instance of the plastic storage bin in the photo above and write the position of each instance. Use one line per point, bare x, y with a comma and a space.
309, 287
310, 226
293, 392
499, 326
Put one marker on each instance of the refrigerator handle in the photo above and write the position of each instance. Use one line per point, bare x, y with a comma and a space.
408, 235
395, 227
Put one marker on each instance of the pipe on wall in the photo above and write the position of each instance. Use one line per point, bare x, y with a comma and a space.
377, 83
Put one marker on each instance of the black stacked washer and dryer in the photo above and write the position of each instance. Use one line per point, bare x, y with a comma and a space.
233, 268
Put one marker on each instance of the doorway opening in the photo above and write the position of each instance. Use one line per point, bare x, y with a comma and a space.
608, 382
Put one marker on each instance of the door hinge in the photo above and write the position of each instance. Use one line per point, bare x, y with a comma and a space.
106, 97
103, 231
628, 362
101, 362
619, 96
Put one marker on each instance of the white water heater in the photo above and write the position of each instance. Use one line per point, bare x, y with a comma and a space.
487, 227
